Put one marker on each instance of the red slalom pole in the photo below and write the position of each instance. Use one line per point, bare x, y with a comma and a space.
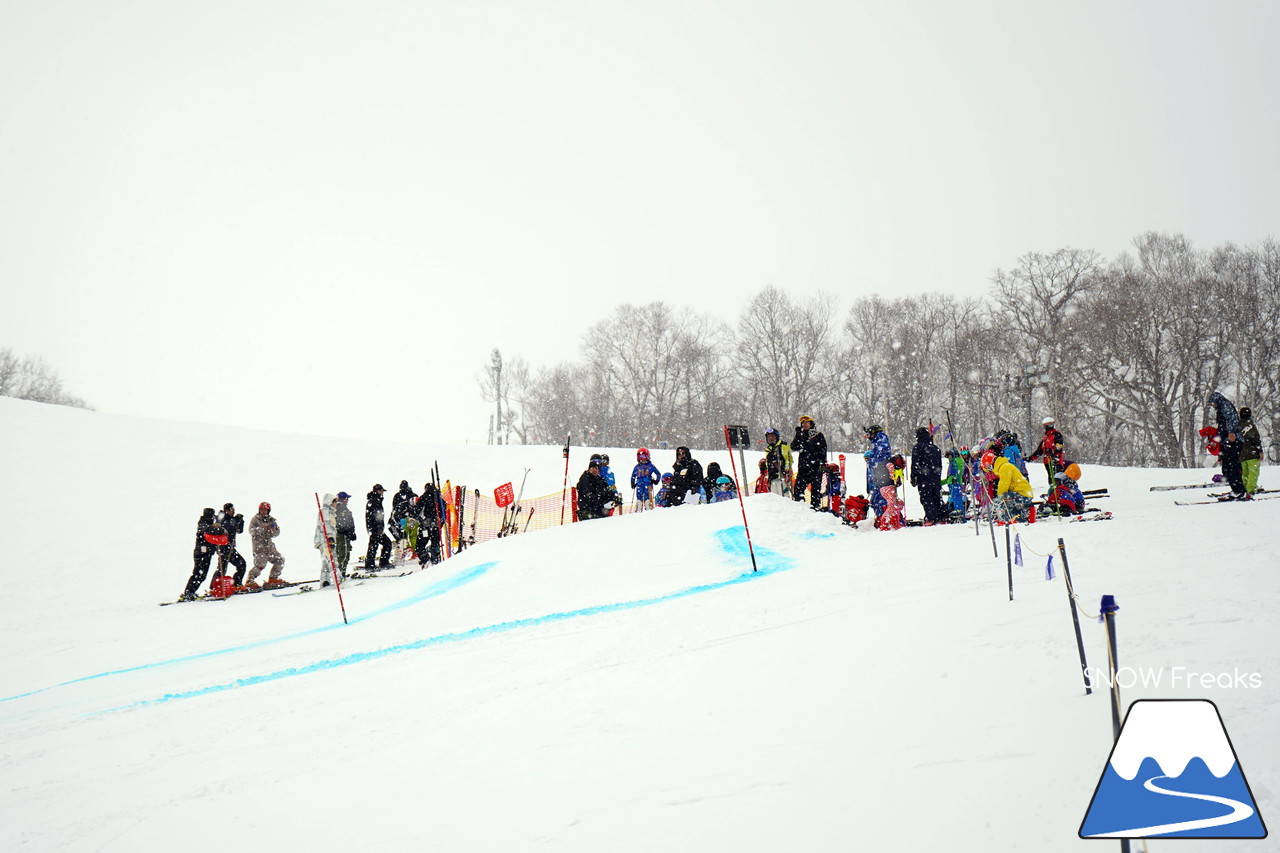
741, 503
332, 565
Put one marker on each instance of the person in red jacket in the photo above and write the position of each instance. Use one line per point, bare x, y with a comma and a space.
1051, 448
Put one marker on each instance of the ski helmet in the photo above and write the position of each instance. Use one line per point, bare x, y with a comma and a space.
1246, 413
666, 478
873, 430
264, 508
771, 431
1047, 422
604, 458
804, 418
642, 455
988, 460
724, 481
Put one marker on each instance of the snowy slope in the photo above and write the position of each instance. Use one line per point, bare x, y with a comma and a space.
625, 684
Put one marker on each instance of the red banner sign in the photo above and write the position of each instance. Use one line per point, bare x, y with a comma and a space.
504, 495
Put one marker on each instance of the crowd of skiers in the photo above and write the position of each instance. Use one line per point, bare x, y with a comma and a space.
952, 486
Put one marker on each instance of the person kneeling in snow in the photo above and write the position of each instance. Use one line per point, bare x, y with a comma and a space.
1065, 498
1013, 491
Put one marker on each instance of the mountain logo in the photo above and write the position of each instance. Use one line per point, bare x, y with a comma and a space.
1173, 773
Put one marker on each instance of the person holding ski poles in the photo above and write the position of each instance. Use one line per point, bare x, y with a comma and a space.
644, 477
1051, 448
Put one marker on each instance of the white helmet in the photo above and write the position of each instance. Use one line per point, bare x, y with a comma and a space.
1046, 421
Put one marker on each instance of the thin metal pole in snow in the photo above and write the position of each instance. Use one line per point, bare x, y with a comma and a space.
564, 490
333, 568
1075, 616
1109, 608
741, 503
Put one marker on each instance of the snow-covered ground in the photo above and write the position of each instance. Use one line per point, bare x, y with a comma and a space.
623, 684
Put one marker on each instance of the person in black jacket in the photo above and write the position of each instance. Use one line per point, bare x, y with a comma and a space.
374, 523
810, 448
1229, 454
429, 512
926, 476
344, 525
209, 537
233, 523
595, 496
404, 509
686, 477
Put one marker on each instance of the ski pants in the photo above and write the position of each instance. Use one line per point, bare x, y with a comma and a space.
1229, 458
203, 557
805, 479
931, 500
262, 556
1250, 468
228, 555
377, 538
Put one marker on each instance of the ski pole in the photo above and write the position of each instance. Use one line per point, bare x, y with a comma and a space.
1075, 616
332, 566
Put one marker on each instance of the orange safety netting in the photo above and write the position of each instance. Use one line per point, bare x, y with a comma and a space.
483, 520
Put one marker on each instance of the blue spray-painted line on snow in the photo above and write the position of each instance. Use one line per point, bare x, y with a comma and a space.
434, 590
731, 539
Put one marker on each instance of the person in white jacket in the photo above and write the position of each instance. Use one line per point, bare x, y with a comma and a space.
328, 507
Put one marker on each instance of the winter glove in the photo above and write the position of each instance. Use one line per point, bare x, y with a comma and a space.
352, 536
329, 540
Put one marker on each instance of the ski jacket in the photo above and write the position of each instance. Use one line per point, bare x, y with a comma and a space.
344, 522
262, 529
811, 446
926, 461
594, 494
644, 477
232, 524
687, 474
374, 517
1251, 441
1067, 494
1010, 479
1228, 417
723, 493
709, 484
207, 528
881, 452
428, 509
762, 484
607, 476
1050, 447
326, 515
777, 458
403, 502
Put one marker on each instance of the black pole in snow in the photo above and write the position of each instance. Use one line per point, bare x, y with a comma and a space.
1109, 608
1075, 617
1008, 558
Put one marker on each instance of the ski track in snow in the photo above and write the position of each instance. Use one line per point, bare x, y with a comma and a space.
731, 540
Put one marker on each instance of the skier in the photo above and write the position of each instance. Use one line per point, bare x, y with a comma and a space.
891, 516
323, 539
375, 524
1051, 448
404, 527
1065, 497
595, 498
711, 481
833, 489
429, 510
1250, 451
878, 476
926, 476
685, 478
1013, 490
955, 480
663, 498
345, 525
724, 490
643, 479
209, 537
263, 529
777, 455
811, 448
233, 523
762, 482
1229, 454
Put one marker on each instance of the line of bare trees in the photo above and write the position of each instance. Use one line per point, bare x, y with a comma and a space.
30, 378
1124, 354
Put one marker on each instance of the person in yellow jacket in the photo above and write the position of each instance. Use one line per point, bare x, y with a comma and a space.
1013, 491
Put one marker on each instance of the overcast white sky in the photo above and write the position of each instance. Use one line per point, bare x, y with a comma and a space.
322, 217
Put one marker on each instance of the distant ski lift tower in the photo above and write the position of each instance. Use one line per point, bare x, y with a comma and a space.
497, 395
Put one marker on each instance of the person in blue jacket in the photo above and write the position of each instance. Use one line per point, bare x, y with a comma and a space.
643, 479
878, 475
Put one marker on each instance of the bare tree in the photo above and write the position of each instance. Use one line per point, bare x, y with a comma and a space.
30, 378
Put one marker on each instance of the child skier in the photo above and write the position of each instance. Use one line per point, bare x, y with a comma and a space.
643, 479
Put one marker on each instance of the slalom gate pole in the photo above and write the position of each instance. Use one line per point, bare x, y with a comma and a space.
741, 503
1109, 608
991, 523
1075, 617
564, 490
1008, 557
333, 566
